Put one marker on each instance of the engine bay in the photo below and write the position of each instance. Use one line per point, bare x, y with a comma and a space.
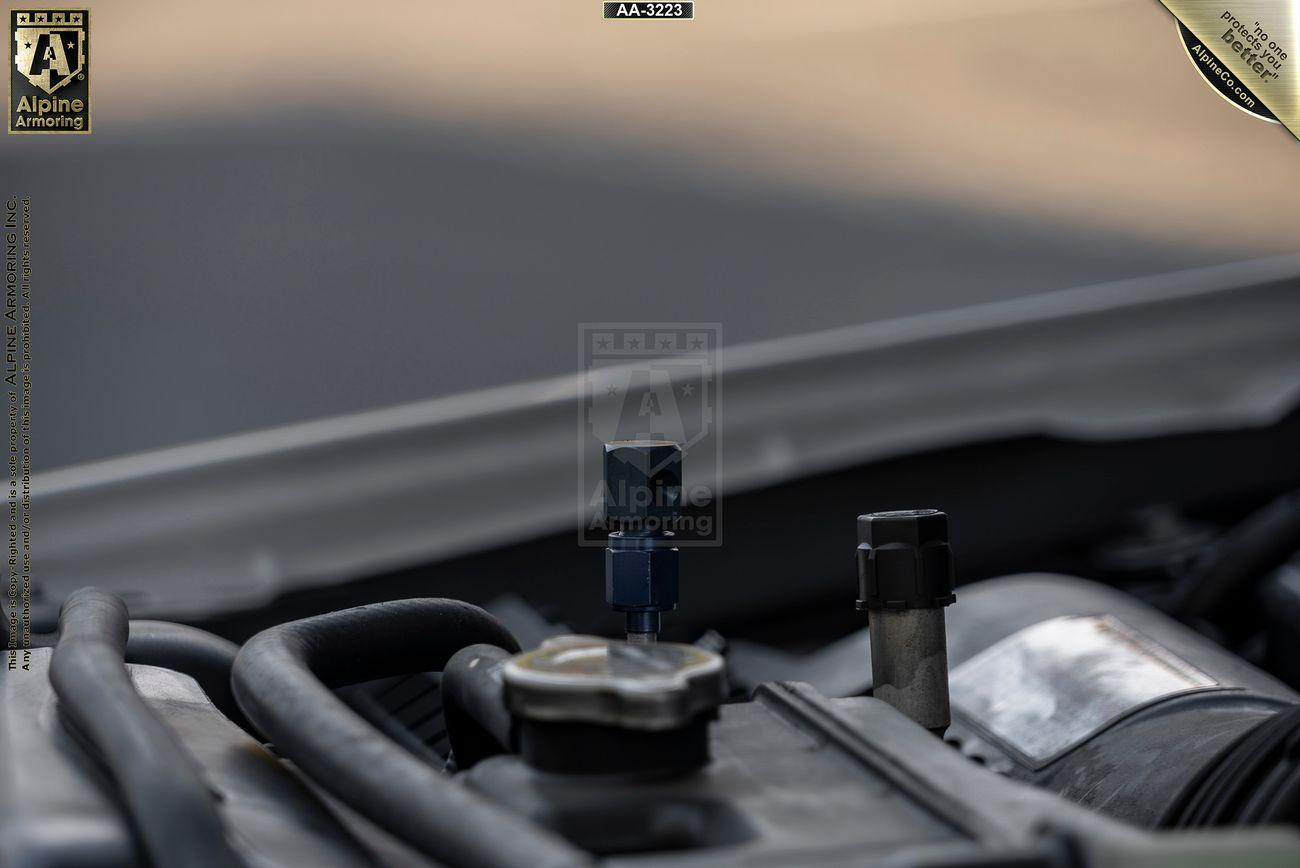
1030, 719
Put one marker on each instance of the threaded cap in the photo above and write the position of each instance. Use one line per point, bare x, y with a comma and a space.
904, 561
592, 680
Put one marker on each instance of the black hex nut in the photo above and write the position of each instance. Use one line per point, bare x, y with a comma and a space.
641, 573
904, 561
643, 484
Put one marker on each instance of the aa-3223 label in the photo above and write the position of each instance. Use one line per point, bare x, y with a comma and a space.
650, 11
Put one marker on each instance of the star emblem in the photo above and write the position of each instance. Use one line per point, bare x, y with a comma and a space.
634, 344
611, 390
665, 344
688, 390
697, 344
603, 343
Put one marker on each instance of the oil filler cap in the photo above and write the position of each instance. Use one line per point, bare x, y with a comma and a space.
904, 561
585, 704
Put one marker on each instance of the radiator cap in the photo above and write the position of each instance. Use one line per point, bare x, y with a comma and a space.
589, 679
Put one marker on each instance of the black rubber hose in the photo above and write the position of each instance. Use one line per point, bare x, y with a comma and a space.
478, 724
169, 804
1255, 780
283, 678
1222, 582
204, 656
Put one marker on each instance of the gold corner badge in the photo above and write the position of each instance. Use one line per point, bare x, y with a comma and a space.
1247, 50
49, 81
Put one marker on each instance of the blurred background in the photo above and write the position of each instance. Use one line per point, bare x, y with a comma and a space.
293, 210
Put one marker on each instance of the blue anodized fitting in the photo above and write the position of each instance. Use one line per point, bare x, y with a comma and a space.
643, 496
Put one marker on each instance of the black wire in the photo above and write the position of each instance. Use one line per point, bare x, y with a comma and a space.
167, 800
283, 678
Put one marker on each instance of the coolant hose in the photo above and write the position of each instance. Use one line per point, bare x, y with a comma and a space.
283, 680
204, 656
170, 805
478, 724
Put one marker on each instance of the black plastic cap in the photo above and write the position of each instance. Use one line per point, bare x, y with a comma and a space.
643, 484
904, 561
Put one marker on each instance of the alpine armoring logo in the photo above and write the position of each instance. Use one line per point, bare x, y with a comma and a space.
651, 382
49, 81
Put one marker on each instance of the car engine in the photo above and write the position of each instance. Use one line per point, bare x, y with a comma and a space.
1032, 719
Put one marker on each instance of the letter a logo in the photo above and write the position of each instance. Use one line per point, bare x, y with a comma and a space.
650, 405
49, 49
